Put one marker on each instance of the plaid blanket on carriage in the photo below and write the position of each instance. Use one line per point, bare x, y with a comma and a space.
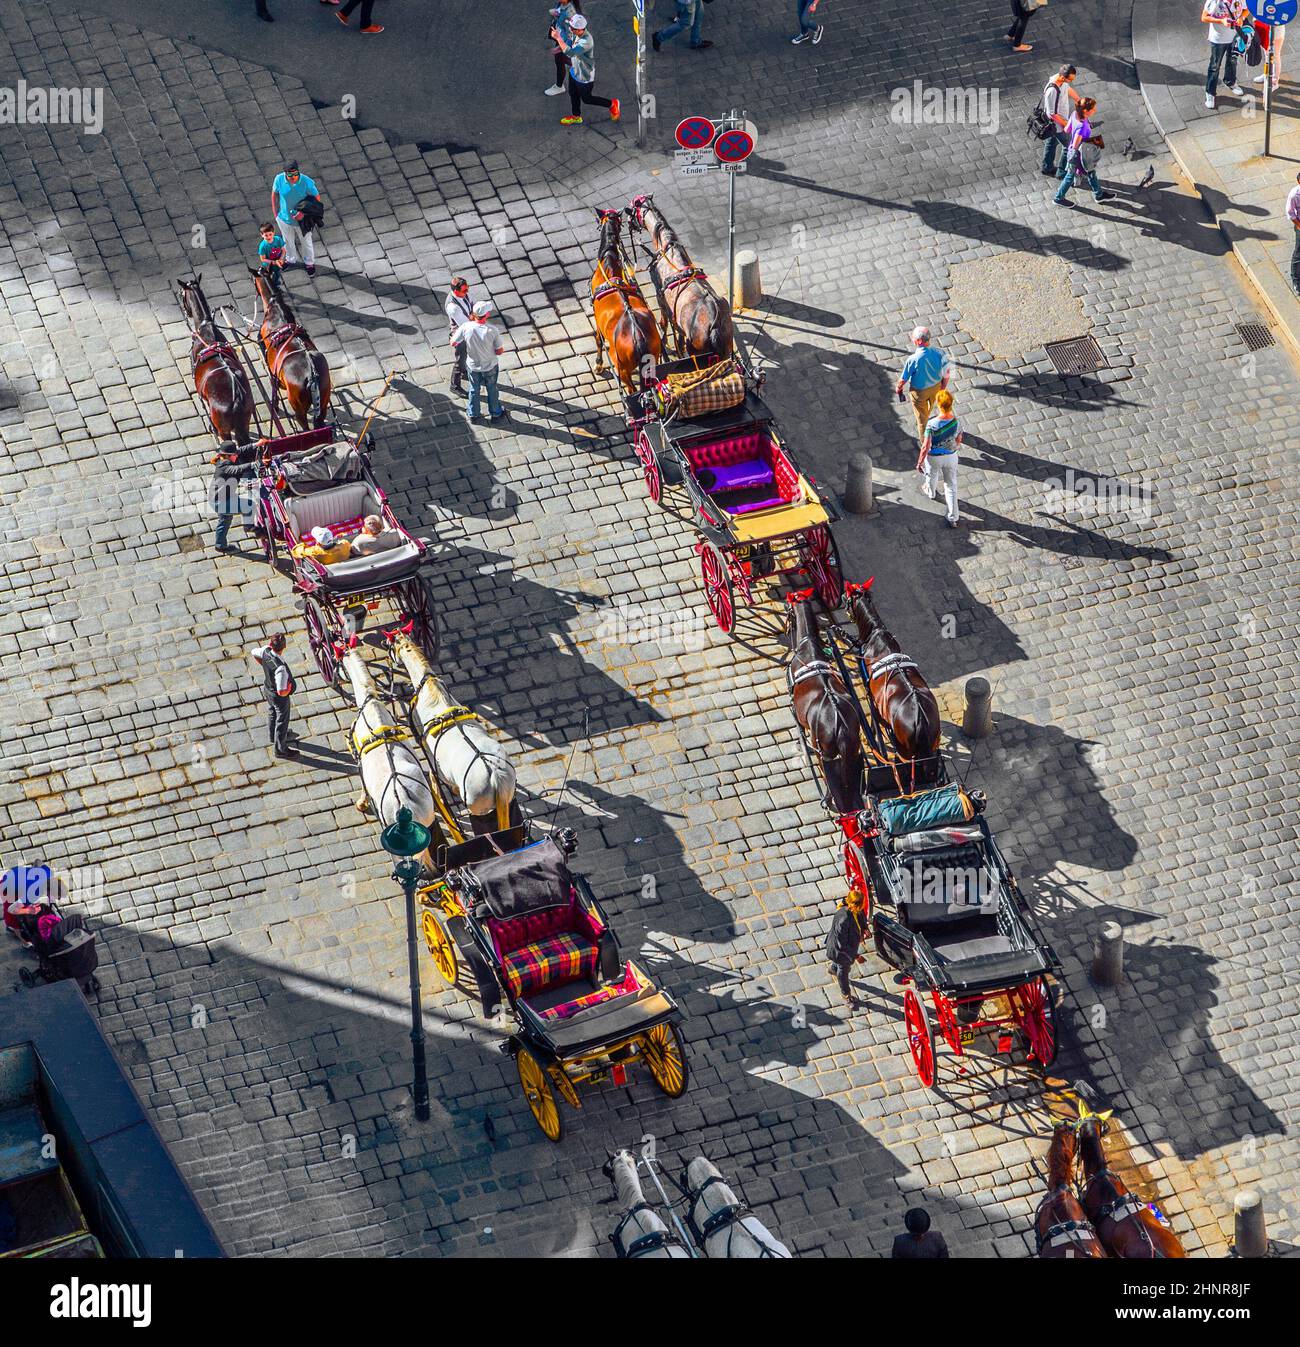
700, 392
551, 962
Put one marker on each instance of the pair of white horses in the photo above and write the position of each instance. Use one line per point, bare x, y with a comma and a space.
721, 1225
471, 768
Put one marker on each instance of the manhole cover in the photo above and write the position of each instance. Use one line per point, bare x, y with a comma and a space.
1255, 335
1079, 355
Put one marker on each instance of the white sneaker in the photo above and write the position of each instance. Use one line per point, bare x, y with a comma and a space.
1236, 89
1209, 100
1259, 79
553, 90
817, 35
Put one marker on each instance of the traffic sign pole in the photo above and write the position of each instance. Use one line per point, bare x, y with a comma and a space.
1268, 90
638, 24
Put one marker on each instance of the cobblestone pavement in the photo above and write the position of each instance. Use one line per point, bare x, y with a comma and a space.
1142, 659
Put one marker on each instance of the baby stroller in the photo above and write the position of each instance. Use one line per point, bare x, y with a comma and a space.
63, 947
75, 955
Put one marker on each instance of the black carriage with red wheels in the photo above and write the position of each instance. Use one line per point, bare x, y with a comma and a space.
759, 517
944, 909
319, 479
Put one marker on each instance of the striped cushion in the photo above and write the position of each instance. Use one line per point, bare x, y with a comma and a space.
551, 962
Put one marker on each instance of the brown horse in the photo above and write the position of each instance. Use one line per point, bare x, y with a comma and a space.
900, 695
291, 356
624, 324
1127, 1226
1061, 1227
823, 707
220, 379
699, 316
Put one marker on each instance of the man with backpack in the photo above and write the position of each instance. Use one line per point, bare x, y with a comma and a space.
1058, 93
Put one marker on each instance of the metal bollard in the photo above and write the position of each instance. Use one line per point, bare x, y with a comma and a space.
857, 485
747, 281
1250, 1239
1108, 955
977, 719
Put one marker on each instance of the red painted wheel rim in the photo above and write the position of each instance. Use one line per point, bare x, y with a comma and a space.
919, 1038
1038, 1021
649, 466
824, 566
856, 874
320, 643
717, 588
947, 1018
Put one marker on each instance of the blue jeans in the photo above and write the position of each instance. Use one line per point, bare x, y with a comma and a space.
223, 528
688, 12
1050, 145
480, 379
1218, 51
806, 24
1075, 169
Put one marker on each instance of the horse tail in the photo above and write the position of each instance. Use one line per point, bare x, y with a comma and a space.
313, 387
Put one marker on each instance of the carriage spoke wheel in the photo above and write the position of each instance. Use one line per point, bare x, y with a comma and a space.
948, 1026
855, 871
322, 645
442, 949
538, 1092
1038, 1020
920, 1037
717, 587
654, 483
665, 1056
823, 559
425, 628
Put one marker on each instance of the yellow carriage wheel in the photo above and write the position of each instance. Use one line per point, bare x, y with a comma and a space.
665, 1056
442, 948
537, 1090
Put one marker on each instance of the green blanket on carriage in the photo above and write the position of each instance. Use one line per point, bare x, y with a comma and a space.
932, 809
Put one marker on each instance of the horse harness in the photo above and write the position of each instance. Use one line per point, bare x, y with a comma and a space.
1061, 1232
1122, 1204
725, 1218
891, 664
278, 343
646, 1243
223, 348
377, 738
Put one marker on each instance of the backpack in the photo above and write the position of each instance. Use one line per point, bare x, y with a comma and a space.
1038, 124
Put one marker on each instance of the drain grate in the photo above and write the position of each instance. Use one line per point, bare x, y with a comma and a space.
1079, 355
1255, 335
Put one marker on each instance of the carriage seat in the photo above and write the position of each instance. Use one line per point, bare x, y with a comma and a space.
547, 948
342, 509
744, 472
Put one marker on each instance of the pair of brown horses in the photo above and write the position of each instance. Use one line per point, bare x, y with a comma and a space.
696, 316
1109, 1221
828, 715
292, 359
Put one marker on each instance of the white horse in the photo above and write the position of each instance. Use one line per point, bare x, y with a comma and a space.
640, 1220
723, 1223
469, 763
391, 772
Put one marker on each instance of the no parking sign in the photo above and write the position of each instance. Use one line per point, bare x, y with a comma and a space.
1276, 12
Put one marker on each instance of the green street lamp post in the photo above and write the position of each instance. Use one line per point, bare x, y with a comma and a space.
406, 839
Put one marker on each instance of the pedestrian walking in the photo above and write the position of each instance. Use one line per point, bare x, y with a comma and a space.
1223, 18
277, 689
690, 14
809, 29
1293, 214
937, 463
226, 492
919, 1241
368, 26
1077, 164
289, 190
459, 311
925, 372
263, 13
843, 940
483, 351
580, 49
561, 15
1021, 12
1058, 93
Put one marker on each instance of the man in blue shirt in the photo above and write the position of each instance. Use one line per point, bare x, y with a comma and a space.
925, 372
288, 191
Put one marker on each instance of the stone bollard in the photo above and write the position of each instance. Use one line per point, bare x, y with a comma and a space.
1250, 1239
1108, 955
747, 281
857, 485
977, 719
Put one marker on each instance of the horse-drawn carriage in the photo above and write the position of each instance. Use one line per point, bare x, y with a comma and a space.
319, 479
507, 911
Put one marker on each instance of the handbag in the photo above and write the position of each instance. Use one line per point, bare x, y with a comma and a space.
1038, 124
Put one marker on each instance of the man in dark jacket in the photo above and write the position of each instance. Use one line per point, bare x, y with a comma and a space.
277, 688
227, 474
843, 941
920, 1241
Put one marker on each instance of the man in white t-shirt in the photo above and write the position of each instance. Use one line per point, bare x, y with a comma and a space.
1058, 93
482, 343
1222, 18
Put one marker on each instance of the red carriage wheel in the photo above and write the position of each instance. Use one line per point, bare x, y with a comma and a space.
321, 639
822, 558
654, 484
717, 586
920, 1037
417, 605
856, 872
1037, 1002
948, 1026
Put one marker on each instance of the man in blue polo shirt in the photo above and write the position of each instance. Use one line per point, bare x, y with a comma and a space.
289, 190
925, 372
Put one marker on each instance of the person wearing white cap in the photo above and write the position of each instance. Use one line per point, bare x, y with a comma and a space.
324, 547
483, 349
579, 46
925, 372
